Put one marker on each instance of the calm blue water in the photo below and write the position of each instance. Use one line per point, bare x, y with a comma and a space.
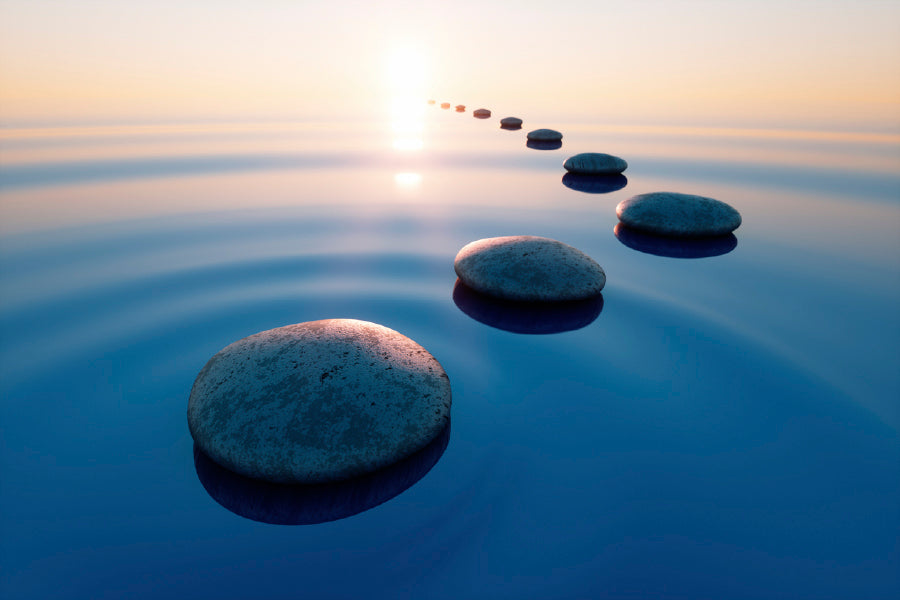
718, 427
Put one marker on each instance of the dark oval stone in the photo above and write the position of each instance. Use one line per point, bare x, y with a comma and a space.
678, 215
318, 401
481, 113
544, 135
528, 268
595, 163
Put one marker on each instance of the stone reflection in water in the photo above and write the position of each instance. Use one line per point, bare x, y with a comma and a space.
527, 317
308, 504
594, 184
544, 144
675, 247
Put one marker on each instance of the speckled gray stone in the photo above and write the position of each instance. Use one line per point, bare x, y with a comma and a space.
544, 135
318, 401
595, 163
528, 268
511, 122
481, 113
678, 215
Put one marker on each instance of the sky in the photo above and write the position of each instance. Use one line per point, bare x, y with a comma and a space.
823, 64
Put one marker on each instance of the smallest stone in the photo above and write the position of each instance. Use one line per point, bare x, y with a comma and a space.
544, 135
595, 163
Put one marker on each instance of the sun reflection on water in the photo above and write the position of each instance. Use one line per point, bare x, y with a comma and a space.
407, 122
408, 181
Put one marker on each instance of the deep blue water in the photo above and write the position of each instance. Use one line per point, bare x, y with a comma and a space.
716, 427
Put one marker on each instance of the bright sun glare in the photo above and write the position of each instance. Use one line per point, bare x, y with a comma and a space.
406, 71
406, 80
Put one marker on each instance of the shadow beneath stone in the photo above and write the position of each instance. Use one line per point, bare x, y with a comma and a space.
594, 184
544, 144
300, 504
527, 317
510, 127
675, 247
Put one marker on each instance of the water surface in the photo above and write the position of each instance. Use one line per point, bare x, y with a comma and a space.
723, 425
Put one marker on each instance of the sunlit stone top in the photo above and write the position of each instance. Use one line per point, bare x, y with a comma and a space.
318, 401
526, 267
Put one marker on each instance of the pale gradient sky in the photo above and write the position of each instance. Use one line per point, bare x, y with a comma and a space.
827, 64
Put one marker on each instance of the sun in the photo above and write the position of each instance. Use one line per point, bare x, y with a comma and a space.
406, 71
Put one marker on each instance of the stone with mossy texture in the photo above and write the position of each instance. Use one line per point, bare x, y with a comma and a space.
595, 163
544, 135
318, 401
678, 215
528, 268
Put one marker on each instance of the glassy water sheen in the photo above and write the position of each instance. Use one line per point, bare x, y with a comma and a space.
723, 423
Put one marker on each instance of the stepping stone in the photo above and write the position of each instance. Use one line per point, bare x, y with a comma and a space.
511, 123
544, 135
445, 105
318, 401
431, 102
528, 268
481, 113
460, 108
595, 163
678, 215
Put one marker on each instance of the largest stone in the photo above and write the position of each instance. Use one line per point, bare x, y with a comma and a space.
318, 401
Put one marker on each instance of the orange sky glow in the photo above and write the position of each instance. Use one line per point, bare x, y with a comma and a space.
828, 64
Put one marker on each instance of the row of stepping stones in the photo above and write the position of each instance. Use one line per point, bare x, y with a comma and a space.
659, 213
340, 400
